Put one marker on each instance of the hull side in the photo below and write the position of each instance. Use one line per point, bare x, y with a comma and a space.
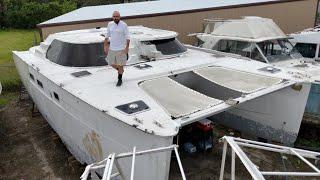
276, 116
90, 135
313, 104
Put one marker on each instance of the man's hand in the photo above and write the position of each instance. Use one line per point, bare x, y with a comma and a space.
106, 49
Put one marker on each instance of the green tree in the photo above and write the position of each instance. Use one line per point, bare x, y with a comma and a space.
27, 13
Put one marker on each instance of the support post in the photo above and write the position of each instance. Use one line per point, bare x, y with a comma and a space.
224, 153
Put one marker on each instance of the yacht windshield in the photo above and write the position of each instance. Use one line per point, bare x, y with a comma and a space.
278, 50
168, 46
76, 55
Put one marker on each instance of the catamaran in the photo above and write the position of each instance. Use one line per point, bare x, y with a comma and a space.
167, 85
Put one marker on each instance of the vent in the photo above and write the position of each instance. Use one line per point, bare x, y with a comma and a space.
270, 69
133, 107
143, 66
301, 65
81, 73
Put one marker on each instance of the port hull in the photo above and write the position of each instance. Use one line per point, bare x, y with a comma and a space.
90, 134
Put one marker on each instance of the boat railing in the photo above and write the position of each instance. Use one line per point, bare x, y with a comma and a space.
237, 143
107, 164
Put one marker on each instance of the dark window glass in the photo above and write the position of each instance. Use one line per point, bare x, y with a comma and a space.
77, 55
245, 49
256, 55
40, 83
227, 46
31, 76
306, 50
56, 96
168, 46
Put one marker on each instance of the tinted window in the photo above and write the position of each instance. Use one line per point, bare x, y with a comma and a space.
78, 55
225, 46
236, 47
306, 50
278, 50
256, 55
168, 46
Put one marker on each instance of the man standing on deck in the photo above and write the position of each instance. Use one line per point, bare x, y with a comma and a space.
116, 44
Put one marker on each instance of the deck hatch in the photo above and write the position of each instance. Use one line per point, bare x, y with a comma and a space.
270, 69
237, 80
143, 66
81, 73
175, 98
133, 107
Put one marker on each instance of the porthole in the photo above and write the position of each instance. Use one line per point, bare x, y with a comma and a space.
40, 83
31, 76
56, 96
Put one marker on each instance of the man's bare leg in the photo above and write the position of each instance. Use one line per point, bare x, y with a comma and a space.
114, 66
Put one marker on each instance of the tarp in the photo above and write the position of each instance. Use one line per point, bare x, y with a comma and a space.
237, 80
175, 98
249, 27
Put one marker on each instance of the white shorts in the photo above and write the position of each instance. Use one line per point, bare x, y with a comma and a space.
117, 58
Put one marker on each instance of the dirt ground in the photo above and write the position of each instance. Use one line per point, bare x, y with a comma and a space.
30, 149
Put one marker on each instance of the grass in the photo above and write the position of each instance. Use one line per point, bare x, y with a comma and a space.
6, 97
10, 40
13, 39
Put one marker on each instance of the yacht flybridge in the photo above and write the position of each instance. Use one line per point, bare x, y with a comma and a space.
262, 40
166, 85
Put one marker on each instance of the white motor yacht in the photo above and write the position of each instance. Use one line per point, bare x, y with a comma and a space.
262, 40
307, 42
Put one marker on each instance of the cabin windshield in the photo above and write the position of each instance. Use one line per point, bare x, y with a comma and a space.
245, 49
167, 46
278, 50
76, 55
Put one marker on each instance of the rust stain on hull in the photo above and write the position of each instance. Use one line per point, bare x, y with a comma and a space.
92, 144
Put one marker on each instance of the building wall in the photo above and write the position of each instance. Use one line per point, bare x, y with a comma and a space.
290, 16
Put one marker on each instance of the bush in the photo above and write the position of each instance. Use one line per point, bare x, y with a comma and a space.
29, 14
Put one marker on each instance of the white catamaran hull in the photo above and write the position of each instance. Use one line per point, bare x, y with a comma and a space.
90, 134
276, 116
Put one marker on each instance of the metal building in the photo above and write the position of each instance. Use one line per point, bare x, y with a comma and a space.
186, 16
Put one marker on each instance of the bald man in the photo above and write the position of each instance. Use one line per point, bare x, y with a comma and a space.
116, 44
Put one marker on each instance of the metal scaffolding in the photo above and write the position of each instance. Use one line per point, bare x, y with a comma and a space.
236, 143
107, 163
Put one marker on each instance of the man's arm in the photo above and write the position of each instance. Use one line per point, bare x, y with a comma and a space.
106, 45
106, 40
126, 33
127, 46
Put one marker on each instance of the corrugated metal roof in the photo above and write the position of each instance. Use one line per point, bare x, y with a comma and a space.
145, 8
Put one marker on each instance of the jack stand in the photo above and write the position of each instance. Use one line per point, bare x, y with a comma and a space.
34, 110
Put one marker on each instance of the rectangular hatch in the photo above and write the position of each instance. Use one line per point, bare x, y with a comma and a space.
80, 74
177, 99
237, 80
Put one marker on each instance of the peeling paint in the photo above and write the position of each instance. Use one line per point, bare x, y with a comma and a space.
92, 144
256, 129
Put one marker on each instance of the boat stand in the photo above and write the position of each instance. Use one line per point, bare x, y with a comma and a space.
107, 163
236, 143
